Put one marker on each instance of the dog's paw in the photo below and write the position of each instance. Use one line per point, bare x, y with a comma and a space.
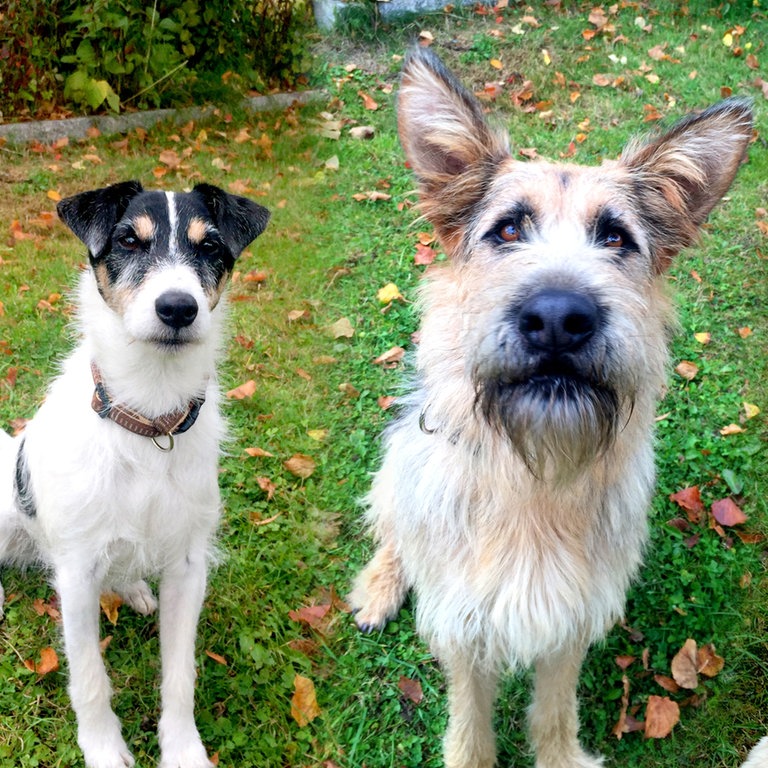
370, 614
377, 594
139, 597
106, 753
191, 755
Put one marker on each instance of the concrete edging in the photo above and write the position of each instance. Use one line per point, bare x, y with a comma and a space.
47, 131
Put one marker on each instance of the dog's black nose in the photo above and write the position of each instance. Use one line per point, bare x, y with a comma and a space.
557, 321
176, 309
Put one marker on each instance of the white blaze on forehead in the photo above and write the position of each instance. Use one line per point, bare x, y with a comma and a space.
173, 243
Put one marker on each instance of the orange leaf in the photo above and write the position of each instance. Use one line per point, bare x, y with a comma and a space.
218, 659
304, 707
300, 465
424, 255
245, 390
385, 401
49, 662
687, 369
731, 429
312, 615
661, 716
258, 452
727, 512
690, 500
368, 101
709, 663
667, 683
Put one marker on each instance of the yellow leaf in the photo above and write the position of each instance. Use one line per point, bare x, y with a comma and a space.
318, 434
731, 429
496, 64
545, 56
388, 293
110, 603
751, 410
703, 338
304, 707
52, 194
728, 40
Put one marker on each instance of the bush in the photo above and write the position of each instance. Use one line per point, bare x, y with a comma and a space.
108, 53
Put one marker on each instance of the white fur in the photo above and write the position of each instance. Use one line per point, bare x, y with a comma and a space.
112, 508
758, 757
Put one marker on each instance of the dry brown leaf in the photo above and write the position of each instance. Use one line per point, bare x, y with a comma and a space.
731, 429
411, 689
385, 401
217, 658
342, 328
424, 255
661, 716
667, 683
727, 512
304, 706
300, 465
621, 726
710, 664
687, 369
685, 668
368, 101
267, 486
391, 357
690, 500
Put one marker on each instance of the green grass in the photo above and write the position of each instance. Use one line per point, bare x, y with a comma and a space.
328, 254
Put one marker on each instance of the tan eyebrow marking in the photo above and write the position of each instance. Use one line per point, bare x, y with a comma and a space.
197, 230
144, 227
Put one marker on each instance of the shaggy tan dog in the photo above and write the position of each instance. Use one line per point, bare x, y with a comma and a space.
514, 488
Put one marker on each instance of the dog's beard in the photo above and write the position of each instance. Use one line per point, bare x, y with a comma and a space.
556, 423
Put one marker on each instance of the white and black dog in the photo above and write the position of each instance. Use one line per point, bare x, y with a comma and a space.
115, 477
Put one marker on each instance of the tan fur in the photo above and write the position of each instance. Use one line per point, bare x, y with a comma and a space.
196, 231
144, 228
516, 512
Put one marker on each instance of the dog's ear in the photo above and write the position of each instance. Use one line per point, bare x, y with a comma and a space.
447, 141
93, 215
680, 176
239, 219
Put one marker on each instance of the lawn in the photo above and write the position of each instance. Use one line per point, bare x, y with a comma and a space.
307, 326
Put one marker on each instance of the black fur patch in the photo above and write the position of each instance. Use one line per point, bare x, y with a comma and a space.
22, 487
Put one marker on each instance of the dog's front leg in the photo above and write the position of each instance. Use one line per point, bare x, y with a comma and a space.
98, 729
553, 716
182, 589
469, 741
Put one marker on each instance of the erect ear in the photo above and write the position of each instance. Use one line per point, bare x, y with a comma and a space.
680, 176
238, 219
92, 215
447, 141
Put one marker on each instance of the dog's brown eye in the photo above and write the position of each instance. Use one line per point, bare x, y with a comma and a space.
129, 242
614, 240
509, 233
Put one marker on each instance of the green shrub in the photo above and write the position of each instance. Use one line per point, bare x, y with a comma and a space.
103, 54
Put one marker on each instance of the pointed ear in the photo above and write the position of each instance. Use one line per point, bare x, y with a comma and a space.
680, 176
447, 141
92, 215
239, 219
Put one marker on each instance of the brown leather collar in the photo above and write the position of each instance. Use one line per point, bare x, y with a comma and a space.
168, 424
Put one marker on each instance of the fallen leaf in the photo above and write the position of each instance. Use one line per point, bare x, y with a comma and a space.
389, 293
373, 196
42, 608
703, 338
621, 726
317, 434
258, 452
385, 401
727, 512
744, 332
496, 64
312, 615
368, 101
332, 163
685, 666
362, 132
349, 390
217, 658
411, 689
731, 429
750, 410
242, 392
391, 357
300, 465
690, 500
110, 603
342, 328
661, 716
426, 38
170, 158
304, 706
267, 486
424, 255
687, 369
49, 662
667, 683
709, 663
54, 195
